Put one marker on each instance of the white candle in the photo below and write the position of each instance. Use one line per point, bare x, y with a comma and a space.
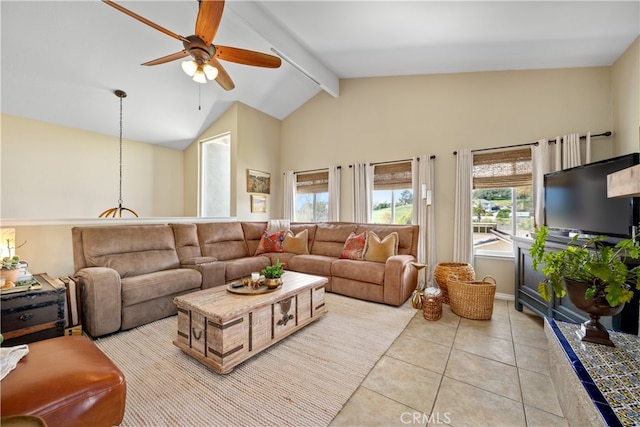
255, 276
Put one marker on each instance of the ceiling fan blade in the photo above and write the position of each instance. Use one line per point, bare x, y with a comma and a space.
208, 21
223, 78
247, 57
168, 58
145, 20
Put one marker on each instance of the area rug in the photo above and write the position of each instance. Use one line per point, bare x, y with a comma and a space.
303, 380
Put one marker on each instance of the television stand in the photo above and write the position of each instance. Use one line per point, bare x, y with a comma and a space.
526, 294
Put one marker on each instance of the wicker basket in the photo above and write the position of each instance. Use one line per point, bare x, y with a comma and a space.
472, 299
432, 305
459, 271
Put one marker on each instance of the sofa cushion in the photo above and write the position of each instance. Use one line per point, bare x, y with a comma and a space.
253, 234
363, 271
318, 265
354, 246
222, 240
330, 238
131, 250
186, 236
149, 286
271, 242
408, 235
311, 227
297, 244
243, 267
379, 250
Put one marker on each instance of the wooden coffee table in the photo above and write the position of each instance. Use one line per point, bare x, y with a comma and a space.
222, 329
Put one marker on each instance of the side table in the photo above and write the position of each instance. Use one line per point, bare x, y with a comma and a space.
33, 315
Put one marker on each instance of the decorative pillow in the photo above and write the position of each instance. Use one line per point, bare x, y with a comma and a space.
297, 244
353, 246
271, 242
379, 250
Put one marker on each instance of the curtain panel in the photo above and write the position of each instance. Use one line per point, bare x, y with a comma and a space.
334, 184
362, 192
289, 196
567, 151
463, 231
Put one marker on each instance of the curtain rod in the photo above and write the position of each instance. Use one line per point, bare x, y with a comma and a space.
551, 141
315, 170
433, 156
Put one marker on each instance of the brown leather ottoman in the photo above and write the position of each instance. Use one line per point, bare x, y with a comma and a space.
68, 381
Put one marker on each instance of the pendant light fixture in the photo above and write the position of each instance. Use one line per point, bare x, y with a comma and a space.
117, 211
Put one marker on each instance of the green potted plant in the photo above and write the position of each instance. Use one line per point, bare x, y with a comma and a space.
10, 268
593, 273
272, 274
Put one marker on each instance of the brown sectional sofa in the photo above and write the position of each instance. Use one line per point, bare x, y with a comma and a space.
130, 273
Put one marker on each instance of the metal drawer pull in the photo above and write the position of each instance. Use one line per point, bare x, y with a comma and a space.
26, 316
32, 296
197, 334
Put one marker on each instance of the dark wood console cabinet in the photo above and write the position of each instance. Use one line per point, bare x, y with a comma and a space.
33, 315
526, 295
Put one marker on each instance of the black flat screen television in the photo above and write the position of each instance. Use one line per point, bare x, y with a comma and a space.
576, 201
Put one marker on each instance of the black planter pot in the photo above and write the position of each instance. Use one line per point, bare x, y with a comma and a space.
592, 330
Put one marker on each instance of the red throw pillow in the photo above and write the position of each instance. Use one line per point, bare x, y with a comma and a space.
354, 246
271, 242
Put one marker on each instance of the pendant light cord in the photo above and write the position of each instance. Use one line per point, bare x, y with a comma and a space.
117, 211
120, 160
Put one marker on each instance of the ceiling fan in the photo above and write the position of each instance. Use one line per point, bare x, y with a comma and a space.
205, 65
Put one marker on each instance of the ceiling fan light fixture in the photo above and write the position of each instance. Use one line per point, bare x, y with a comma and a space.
199, 76
210, 72
189, 67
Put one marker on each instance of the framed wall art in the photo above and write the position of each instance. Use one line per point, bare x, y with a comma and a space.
258, 182
258, 204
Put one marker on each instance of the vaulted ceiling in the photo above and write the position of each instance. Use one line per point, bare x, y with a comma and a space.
62, 61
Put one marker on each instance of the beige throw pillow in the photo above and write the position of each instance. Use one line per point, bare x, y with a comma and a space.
297, 244
379, 250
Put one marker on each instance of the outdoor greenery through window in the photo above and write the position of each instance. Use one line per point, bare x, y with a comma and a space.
392, 194
502, 199
312, 196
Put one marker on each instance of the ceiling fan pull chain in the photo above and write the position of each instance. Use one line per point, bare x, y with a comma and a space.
199, 97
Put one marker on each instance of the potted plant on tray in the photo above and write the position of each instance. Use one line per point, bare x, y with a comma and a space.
10, 268
272, 274
595, 276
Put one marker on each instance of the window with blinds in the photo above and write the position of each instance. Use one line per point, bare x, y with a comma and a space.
392, 193
314, 182
502, 199
392, 176
312, 196
502, 169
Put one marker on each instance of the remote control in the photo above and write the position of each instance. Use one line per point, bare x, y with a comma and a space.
237, 285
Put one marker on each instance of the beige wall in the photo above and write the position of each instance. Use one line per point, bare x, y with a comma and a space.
391, 118
227, 123
625, 85
50, 171
72, 181
255, 144
259, 149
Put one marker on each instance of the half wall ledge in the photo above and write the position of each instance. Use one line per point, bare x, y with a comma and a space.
595, 384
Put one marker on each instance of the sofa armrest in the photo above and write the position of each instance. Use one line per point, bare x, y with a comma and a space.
400, 279
212, 271
101, 292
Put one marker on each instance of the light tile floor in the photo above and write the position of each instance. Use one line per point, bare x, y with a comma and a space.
460, 372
